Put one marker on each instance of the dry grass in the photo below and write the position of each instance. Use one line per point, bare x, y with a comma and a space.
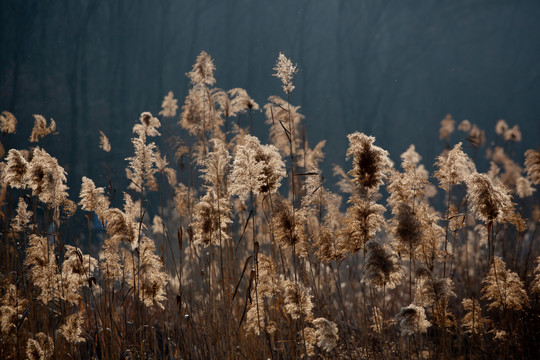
253, 257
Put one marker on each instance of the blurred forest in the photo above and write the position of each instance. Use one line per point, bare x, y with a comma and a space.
388, 69
199, 240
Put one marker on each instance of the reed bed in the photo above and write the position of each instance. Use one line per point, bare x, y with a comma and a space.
234, 248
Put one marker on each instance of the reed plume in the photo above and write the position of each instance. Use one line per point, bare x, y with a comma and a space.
473, 321
382, 268
8, 122
41, 129
412, 320
504, 288
169, 105
41, 259
72, 330
532, 165
40, 348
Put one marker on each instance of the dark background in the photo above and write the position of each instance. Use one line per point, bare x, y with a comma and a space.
392, 69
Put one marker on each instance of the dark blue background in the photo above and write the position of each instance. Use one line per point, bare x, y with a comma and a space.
392, 69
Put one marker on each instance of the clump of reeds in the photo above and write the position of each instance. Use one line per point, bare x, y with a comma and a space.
237, 248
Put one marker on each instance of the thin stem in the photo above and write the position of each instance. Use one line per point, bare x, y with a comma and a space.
446, 230
256, 258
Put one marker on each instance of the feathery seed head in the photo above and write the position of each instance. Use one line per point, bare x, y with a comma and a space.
464, 126
412, 319
532, 165
41, 258
12, 307
16, 169
93, 199
40, 348
488, 202
268, 284
104, 143
504, 287
430, 289
46, 178
382, 268
411, 155
240, 101
152, 278
148, 126
501, 127
288, 224
203, 70
326, 333
524, 187
447, 127
454, 167
285, 122
297, 300
362, 221
476, 137
408, 229
210, 220
40, 128
473, 322
72, 329
370, 162
535, 286
256, 168
141, 166
285, 71
23, 217
513, 134
120, 227
8, 122
169, 105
